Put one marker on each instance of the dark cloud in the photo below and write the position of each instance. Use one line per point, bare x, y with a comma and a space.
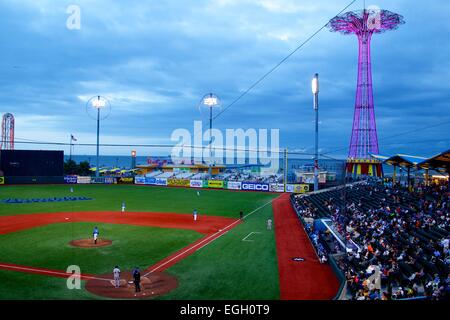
156, 59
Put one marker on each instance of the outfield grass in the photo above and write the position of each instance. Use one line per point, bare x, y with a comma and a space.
48, 246
230, 268
136, 198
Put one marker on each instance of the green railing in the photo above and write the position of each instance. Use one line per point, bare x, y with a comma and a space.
339, 275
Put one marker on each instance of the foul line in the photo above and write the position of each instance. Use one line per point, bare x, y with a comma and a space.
43, 271
210, 238
247, 236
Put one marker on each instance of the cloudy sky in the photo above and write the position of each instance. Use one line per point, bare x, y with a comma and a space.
155, 59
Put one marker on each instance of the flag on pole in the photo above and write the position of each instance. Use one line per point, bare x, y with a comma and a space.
72, 138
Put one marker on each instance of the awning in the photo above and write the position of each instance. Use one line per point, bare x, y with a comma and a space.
404, 160
440, 161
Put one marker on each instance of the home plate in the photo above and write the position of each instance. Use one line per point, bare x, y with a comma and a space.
67, 218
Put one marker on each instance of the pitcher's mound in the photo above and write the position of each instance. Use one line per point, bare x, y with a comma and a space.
152, 285
89, 243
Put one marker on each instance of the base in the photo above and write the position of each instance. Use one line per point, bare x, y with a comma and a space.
152, 285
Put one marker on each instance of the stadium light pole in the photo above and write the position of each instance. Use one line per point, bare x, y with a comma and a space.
210, 101
315, 91
98, 103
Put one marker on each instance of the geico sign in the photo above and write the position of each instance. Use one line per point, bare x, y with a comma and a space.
255, 187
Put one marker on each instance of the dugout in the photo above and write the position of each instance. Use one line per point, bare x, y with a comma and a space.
32, 166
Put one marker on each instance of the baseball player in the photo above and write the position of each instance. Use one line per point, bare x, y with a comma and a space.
123, 206
269, 224
95, 233
116, 273
195, 214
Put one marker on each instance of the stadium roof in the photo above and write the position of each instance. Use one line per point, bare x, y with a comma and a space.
404, 160
379, 157
440, 161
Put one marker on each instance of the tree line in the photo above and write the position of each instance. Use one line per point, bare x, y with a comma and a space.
80, 169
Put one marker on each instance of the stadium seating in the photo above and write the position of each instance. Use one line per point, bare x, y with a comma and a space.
184, 175
166, 175
404, 233
153, 174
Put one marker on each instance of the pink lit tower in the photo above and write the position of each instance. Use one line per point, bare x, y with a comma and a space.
7, 142
364, 141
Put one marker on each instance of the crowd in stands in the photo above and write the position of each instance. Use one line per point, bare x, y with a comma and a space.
403, 234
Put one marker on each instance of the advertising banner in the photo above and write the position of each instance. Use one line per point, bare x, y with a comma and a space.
156, 181
196, 184
109, 180
70, 179
255, 186
276, 187
297, 188
128, 180
234, 185
139, 180
178, 183
215, 184
160, 182
103, 180
2, 180
83, 180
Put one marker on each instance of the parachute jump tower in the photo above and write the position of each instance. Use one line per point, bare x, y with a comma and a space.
364, 141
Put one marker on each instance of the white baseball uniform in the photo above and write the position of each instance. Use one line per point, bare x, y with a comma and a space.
116, 273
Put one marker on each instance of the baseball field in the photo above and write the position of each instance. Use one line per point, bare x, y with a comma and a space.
218, 256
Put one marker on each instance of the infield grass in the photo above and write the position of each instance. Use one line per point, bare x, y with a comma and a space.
48, 246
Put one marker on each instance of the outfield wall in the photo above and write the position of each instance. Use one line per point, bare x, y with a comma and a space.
195, 184
164, 182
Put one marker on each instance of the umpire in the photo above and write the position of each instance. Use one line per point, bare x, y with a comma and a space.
137, 279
